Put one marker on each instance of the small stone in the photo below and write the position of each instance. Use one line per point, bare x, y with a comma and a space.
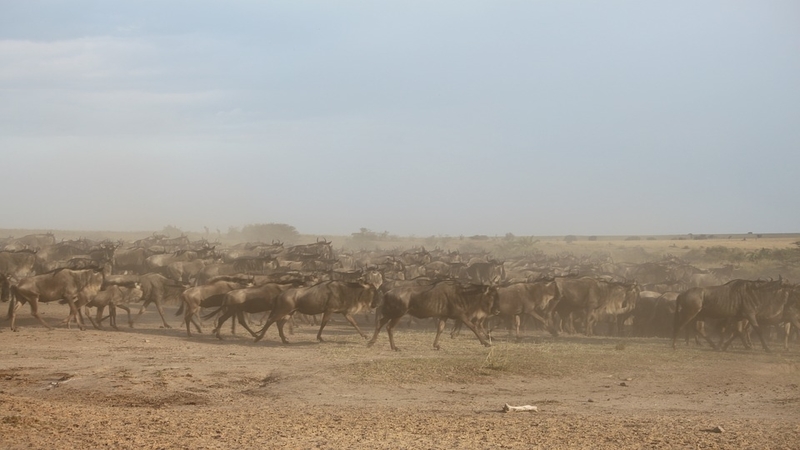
590, 401
718, 429
624, 384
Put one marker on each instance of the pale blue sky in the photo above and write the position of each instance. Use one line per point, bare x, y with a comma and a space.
415, 117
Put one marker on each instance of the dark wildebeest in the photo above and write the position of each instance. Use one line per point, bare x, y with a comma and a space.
155, 289
193, 299
77, 287
18, 263
323, 298
654, 313
529, 299
5, 288
486, 273
736, 300
251, 300
132, 259
442, 300
592, 297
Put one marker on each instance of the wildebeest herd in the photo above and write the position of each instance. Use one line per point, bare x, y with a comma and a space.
560, 294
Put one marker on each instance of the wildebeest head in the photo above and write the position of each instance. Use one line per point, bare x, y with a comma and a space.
491, 294
631, 296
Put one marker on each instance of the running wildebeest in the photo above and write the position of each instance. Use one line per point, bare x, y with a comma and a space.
249, 300
442, 300
324, 298
77, 287
193, 299
735, 300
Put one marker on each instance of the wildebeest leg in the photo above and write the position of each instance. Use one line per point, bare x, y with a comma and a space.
326, 316
759, 332
439, 328
281, 322
35, 313
352, 321
242, 320
456, 330
187, 318
221, 320
472, 327
75, 313
702, 332
196, 323
736, 329
390, 331
787, 328
264, 329
12, 311
112, 316
683, 315
100, 309
590, 319
127, 310
378, 325
161, 313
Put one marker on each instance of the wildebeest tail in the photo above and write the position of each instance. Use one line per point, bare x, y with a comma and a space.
180, 309
213, 313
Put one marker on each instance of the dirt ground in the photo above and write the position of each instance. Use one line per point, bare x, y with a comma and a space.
149, 387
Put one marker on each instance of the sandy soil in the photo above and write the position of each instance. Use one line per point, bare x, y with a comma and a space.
155, 388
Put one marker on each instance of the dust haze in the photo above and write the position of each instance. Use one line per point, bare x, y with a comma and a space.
416, 119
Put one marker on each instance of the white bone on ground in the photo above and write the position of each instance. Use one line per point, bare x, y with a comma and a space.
509, 408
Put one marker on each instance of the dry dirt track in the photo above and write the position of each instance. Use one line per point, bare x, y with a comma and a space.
155, 388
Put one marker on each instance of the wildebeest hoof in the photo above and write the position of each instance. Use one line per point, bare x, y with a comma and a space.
486, 344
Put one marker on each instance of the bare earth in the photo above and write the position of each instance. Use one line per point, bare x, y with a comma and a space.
155, 388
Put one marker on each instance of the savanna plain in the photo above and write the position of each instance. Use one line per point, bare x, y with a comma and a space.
151, 387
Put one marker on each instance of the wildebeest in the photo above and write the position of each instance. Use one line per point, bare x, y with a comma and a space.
18, 263
491, 272
31, 241
324, 298
654, 313
528, 299
132, 259
113, 297
251, 300
192, 299
155, 289
442, 300
755, 301
592, 297
77, 287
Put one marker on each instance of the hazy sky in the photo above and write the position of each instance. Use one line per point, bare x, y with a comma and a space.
414, 117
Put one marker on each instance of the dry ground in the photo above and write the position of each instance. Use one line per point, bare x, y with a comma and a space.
155, 388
